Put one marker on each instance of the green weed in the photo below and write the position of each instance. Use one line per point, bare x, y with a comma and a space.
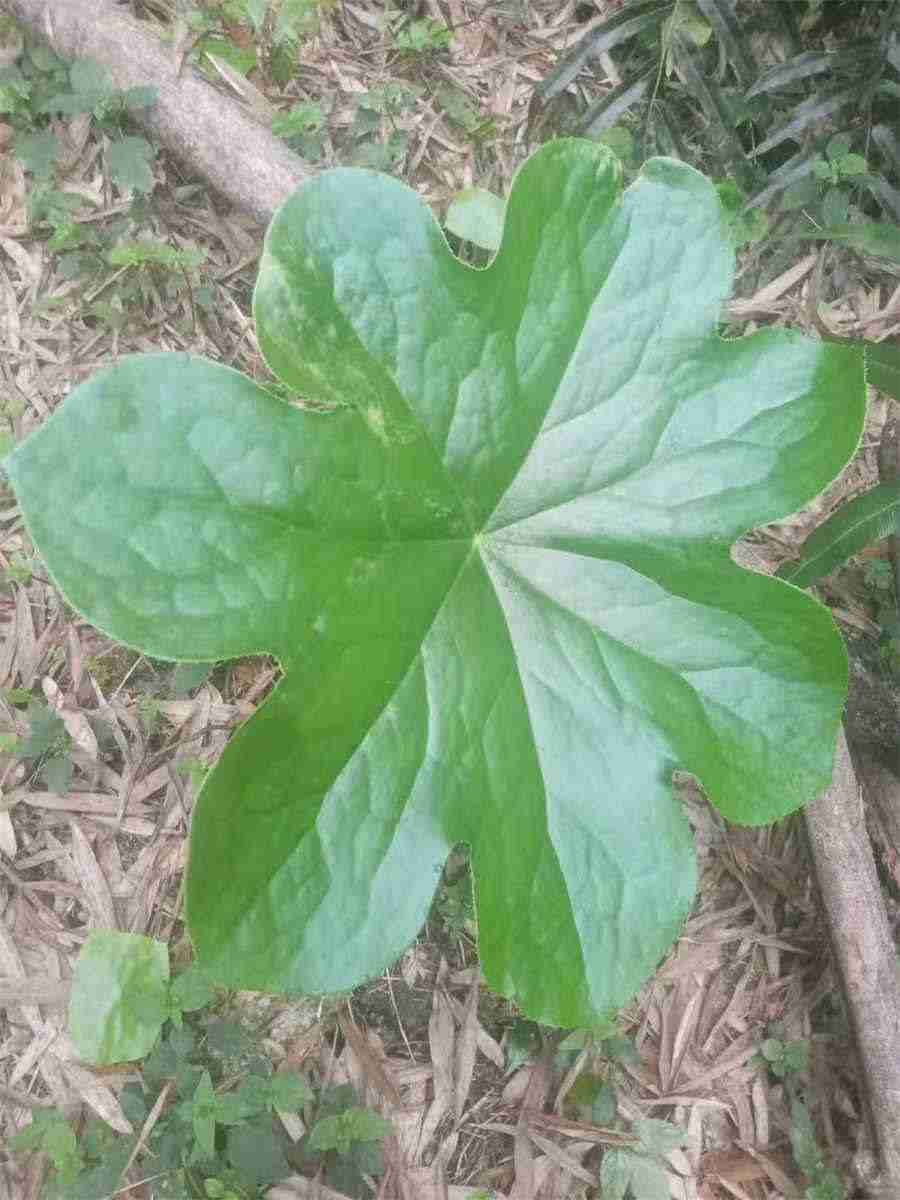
46, 746
39, 86
215, 1094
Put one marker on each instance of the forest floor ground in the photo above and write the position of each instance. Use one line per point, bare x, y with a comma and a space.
743, 1015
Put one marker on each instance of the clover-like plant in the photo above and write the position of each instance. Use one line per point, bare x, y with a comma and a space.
493, 562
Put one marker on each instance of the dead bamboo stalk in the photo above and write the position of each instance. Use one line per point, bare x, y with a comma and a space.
864, 953
212, 135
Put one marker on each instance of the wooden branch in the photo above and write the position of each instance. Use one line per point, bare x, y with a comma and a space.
214, 136
863, 951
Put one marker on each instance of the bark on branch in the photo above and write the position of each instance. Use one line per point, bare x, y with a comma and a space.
863, 951
213, 136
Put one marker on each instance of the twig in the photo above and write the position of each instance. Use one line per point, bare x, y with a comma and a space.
215, 136
863, 951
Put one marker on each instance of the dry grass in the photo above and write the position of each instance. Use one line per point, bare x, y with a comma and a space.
109, 851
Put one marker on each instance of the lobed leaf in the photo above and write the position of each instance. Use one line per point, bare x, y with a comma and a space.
493, 563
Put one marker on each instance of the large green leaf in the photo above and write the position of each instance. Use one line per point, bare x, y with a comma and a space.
493, 562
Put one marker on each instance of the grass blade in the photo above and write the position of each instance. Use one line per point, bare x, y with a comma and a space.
883, 367
604, 113
808, 113
619, 28
864, 520
721, 16
852, 60
887, 143
707, 92
868, 237
887, 196
802, 66
794, 169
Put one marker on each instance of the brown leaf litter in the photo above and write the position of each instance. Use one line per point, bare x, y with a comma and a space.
109, 852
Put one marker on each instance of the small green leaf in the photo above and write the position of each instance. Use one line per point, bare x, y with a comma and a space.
119, 996
129, 160
140, 97
686, 19
45, 731
90, 78
289, 1091
422, 36
621, 1049
134, 1103
802, 193
302, 120
796, 1056
807, 1154
57, 772
460, 108
658, 1137
594, 1100
227, 1038
242, 59
192, 989
855, 525
353, 1125
249, 1099
51, 1133
615, 1174
849, 165
156, 254
203, 1118
256, 1154
476, 215
744, 225
835, 204
649, 1180
772, 1049
37, 152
